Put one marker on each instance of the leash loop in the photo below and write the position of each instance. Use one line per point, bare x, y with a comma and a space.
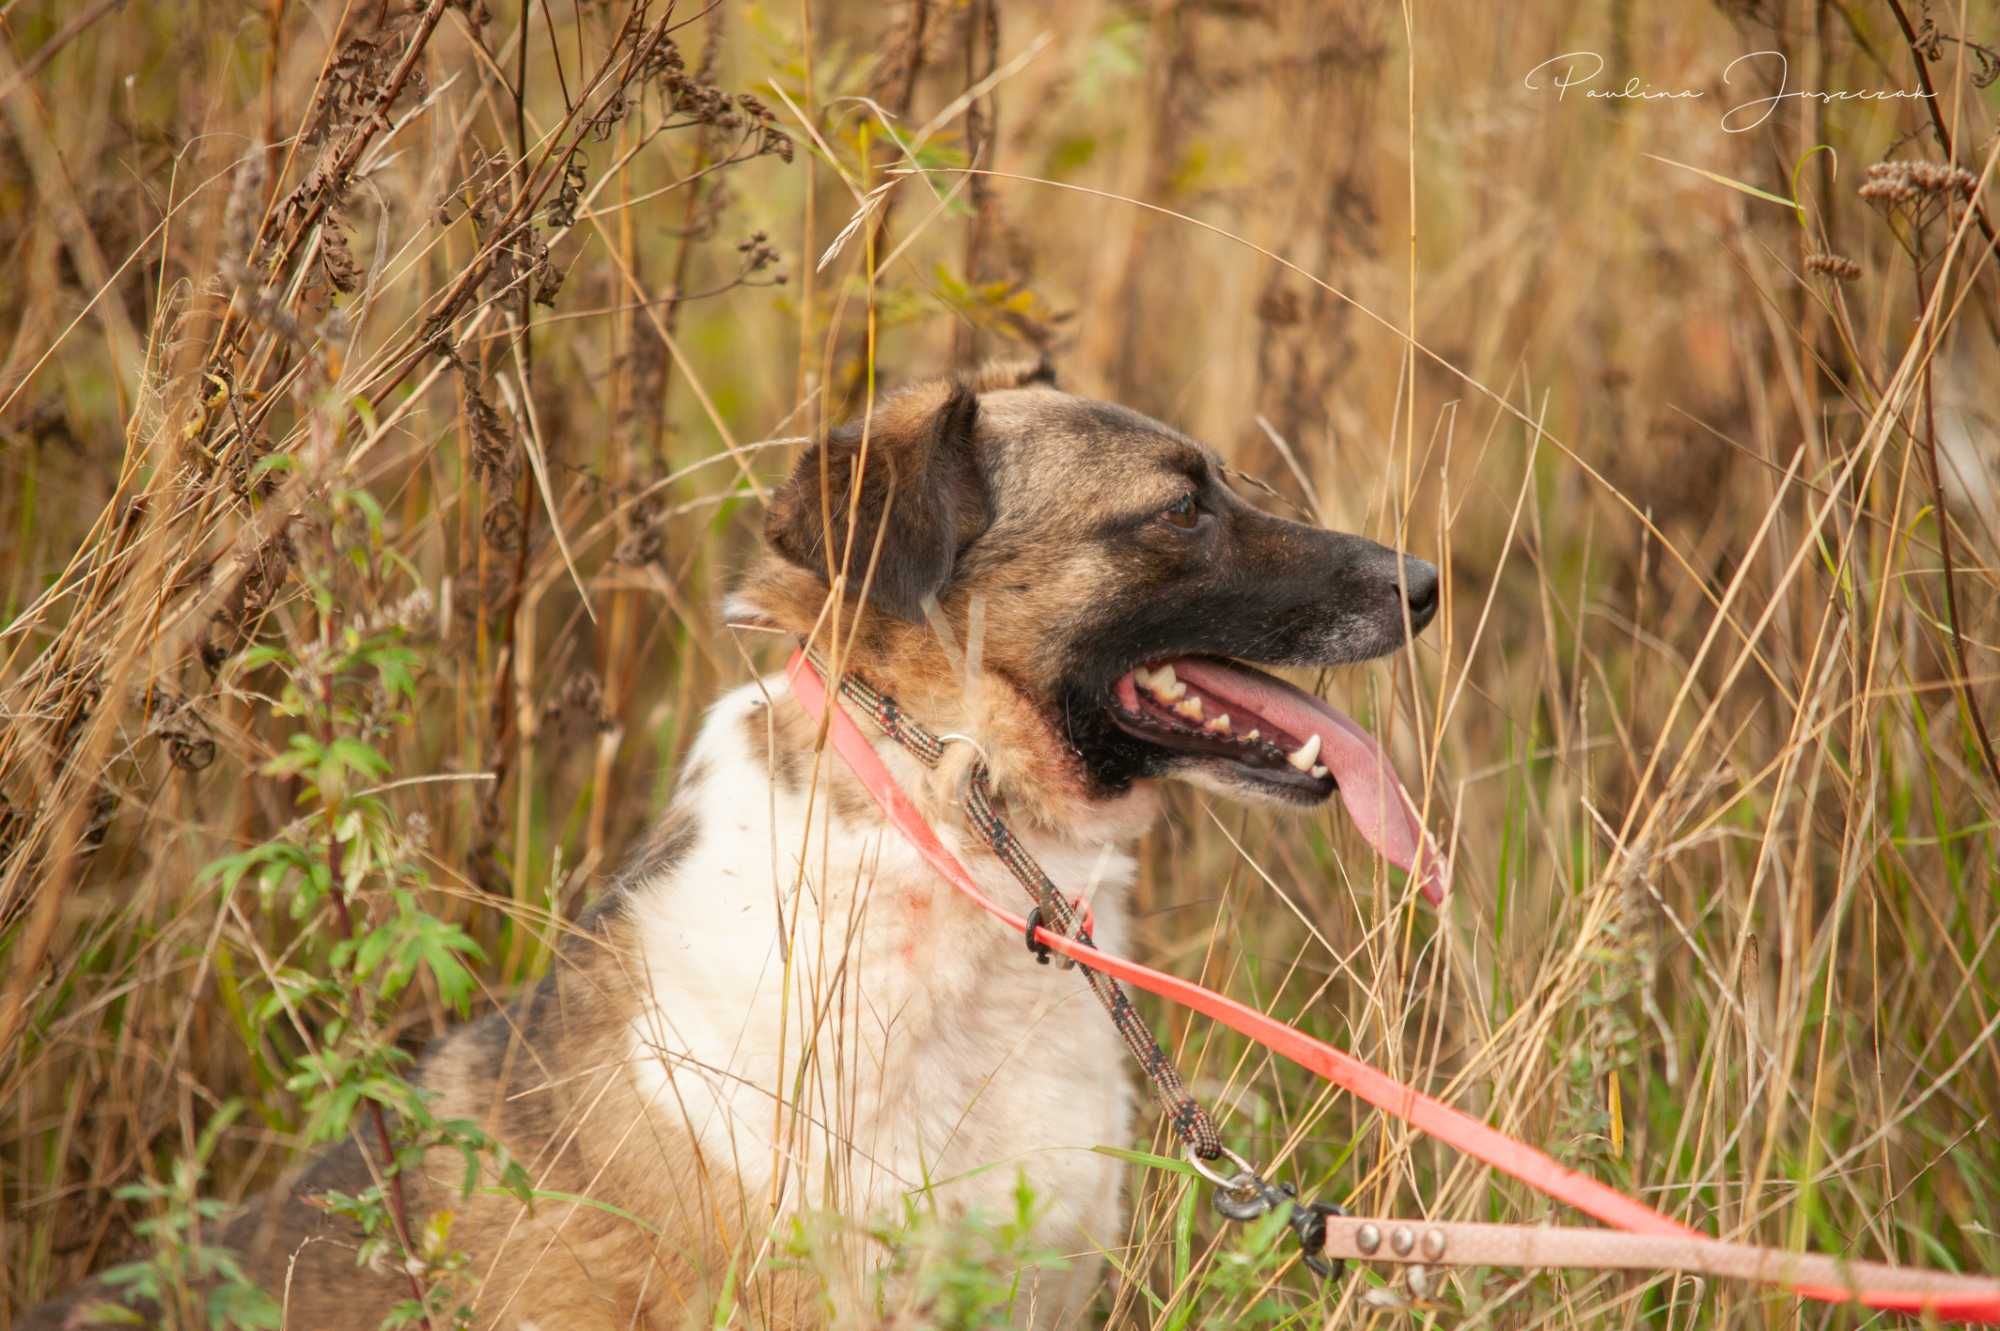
951, 737
1201, 1166
1037, 949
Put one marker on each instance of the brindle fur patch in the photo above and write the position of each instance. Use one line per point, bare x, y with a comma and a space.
663, 847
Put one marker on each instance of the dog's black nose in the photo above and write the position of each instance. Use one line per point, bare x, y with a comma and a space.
1420, 578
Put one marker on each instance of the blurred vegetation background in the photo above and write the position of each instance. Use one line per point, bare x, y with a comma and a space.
461, 341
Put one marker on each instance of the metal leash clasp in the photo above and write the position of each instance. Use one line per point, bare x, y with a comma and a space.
1246, 1195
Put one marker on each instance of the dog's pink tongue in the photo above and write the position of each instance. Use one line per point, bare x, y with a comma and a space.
1377, 802
1381, 809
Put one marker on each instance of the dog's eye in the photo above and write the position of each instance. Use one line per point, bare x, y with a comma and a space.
1182, 512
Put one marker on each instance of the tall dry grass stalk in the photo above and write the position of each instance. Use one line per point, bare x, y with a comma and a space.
484, 328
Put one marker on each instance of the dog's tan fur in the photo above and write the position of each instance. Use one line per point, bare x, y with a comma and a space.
778, 1008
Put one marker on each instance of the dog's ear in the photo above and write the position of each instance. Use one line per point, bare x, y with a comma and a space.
920, 472
1014, 374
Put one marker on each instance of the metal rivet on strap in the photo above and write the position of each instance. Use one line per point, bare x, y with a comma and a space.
1434, 1243
1368, 1238
1402, 1240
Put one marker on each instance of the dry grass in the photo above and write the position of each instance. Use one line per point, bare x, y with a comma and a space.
1715, 491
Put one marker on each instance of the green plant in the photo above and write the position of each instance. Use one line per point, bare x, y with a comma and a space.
955, 1272
189, 1280
351, 874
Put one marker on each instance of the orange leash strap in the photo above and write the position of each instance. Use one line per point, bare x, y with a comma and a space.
1948, 1297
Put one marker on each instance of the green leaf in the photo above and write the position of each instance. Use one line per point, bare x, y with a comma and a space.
1736, 185
356, 756
725, 1301
437, 946
394, 667
1146, 1158
274, 861
578, 1199
238, 1303
302, 751
1184, 1256
255, 658
212, 1131
105, 1312
370, 507
1800, 165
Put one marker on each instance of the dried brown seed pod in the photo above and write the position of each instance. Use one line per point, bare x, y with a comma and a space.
1836, 266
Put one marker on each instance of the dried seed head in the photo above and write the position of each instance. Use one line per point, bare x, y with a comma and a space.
412, 614
579, 704
502, 524
1279, 307
1836, 266
562, 212
244, 210
1898, 184
189, 742
645, 539
494, 457
336, 260
758, 253
358, 74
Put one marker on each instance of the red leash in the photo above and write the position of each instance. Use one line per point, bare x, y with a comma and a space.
1981, 1303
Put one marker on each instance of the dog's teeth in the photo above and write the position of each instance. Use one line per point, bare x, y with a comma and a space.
1304, 756
1188, 707
1160, 683
1254, 734
1318, 770
1220, 724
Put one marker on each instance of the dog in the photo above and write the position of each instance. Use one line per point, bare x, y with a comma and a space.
777, 1008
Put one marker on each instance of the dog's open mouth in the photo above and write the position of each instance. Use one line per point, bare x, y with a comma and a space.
1282, 738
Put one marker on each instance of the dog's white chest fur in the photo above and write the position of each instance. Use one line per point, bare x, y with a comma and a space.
839, 1029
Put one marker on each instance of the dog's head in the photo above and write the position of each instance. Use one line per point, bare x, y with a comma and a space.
1117, 584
